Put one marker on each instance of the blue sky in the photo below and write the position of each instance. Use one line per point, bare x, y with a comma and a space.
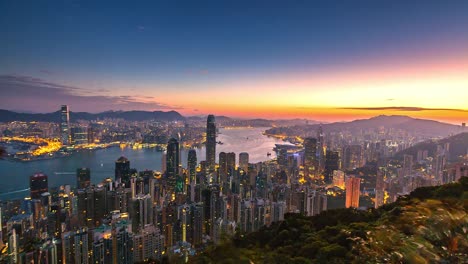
132, 48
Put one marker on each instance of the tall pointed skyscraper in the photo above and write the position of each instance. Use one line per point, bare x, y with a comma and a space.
65, 125
210, 143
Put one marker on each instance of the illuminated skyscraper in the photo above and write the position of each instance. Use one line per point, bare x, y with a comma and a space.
353, 157
222, 164
310, 156
83, 178
172, 166
192, 166
320, 149
38, 184
122, 171
210, 142
332, 163
244, 160
65, 125
353, 192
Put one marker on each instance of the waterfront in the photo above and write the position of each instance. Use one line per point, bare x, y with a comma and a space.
15, 175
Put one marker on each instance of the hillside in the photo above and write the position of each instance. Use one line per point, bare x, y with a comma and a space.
431, 224
421, 126
8, 116
458, 147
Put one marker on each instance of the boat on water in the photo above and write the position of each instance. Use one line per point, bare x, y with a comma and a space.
220, 143
268, 154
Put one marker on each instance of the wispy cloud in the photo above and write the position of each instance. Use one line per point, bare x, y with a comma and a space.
401, 108
35, 94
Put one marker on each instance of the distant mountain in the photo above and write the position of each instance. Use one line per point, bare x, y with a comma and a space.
8, 116
458, 147
429, 128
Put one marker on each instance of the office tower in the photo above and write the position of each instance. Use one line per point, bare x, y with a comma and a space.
192, 166
222, 165
332, 163
320, 148
163, 161
65, 125
83, 178
172, 166
122, 171
38, 184
339, 179
353, 192
244, 160
91, 134
379, 189
79, 135
210, 143
230, 161
310, 156
352, 157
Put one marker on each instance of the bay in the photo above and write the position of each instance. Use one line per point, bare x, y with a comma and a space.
14, 181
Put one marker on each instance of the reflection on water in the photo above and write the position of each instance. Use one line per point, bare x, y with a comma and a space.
15, 175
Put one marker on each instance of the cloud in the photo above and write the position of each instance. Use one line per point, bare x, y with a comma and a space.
401, 108
38, 95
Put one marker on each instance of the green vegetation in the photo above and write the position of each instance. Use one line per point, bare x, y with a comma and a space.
429, 225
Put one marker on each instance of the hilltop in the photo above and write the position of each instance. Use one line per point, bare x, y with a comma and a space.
426, 127
430, 224
458, 147
9, 116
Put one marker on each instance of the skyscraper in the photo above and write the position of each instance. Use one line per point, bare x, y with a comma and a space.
38, 184
172, 166
83, 178
310, 156
244, 160
320, 148
65, 125
353, 186
192, 166
352, 157
379, 189
210, 142
122, 171
332, 162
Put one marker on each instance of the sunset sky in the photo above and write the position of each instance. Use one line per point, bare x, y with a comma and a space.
322, 60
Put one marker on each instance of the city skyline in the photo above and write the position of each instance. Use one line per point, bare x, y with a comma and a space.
321, 61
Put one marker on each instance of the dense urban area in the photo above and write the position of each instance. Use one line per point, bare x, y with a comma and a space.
187, 213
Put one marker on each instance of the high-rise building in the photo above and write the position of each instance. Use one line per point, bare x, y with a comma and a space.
310, 156
230, 161
65, 125
352, 157
38, 184
192, 166
339, 179
172, 166
75, 246
83, 178
149, 244
332, 163
407, 164
222, 164
320, 149
79, 135
122, 171
210, 142
353, 192
244, 160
